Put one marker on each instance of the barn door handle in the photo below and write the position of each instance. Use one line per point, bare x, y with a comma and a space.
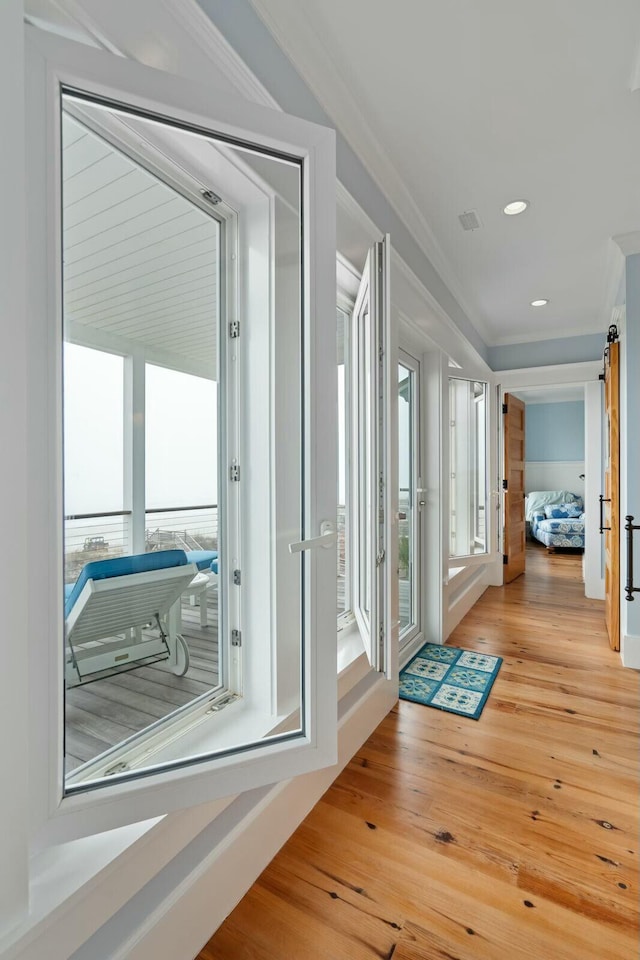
603, 501
630, 526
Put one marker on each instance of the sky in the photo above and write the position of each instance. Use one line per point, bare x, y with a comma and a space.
181, 427
181, 435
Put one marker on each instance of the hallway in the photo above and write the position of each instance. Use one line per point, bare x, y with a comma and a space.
512, 837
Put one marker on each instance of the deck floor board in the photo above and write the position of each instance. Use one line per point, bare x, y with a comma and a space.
101, 714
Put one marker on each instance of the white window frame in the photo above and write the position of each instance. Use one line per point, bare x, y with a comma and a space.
414, 366
478, 559
374, 460
52, 61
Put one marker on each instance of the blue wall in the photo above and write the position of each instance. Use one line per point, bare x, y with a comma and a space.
554, 431
543, 353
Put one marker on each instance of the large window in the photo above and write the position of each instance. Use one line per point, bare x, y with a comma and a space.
409, 508
189, 391
468, 467
344, 463
373, 374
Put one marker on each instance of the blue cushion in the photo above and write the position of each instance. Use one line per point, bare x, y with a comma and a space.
214, 567
121, 567
203, 559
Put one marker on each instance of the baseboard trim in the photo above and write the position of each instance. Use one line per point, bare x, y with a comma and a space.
465, 598
630, 651
183, 922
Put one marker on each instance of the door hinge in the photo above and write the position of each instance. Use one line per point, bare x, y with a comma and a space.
505, 559
380, 557
234, 329
236, 578
505, 408
236, 638
505, 484
234, 472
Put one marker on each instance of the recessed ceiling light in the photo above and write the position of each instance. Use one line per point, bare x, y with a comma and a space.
539, 303
515, 207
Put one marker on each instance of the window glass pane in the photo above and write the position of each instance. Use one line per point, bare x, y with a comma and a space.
343, 464
406, 495
173, 426
468, 475
95, 524
365, 415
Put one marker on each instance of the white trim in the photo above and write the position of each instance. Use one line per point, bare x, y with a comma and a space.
630, 651
192, 18
462, 594
629, 243
560, 374
614, 271
16, 480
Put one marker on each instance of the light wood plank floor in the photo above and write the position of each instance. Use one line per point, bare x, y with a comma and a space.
515, 836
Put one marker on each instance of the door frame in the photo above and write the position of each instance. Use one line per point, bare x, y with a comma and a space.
418, 349
568, 374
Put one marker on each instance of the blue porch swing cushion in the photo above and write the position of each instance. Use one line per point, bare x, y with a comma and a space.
122, 567
203, 559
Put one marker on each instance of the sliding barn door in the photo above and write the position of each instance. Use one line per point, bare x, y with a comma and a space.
612, 495
513, 483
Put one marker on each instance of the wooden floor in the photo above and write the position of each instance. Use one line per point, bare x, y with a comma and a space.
511, 837
101, 714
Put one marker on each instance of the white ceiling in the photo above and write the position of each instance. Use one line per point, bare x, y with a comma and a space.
140, 260
458, 105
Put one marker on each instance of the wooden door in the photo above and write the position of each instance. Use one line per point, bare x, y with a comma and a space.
514, 540
612, 495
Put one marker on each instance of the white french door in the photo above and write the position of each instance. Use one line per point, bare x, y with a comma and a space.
410, 496
372, 522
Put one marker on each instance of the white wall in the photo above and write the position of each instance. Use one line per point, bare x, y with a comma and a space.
594, 541
558, 475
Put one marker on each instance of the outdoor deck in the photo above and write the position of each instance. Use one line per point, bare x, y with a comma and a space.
108, 711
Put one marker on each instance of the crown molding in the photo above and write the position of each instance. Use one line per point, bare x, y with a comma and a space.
614, 271
629, 243
311, 58
634, 80
191, 17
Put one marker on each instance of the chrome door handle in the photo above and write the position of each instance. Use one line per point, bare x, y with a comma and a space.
328, 536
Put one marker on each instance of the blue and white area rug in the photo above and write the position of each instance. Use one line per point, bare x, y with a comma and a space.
450, 679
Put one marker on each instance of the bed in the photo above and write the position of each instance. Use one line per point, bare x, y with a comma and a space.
556, 517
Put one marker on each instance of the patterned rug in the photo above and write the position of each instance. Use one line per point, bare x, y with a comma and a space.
450, 679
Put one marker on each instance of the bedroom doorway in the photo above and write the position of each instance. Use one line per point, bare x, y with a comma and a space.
563, 455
